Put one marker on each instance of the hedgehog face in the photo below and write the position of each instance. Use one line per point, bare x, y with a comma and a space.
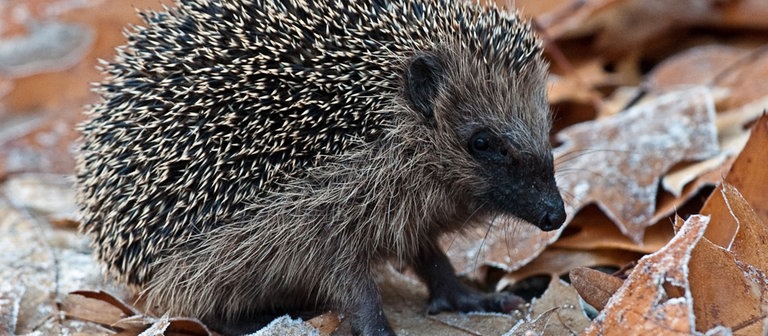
515, 181
504, 165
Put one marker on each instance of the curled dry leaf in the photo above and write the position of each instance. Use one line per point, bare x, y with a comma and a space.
617, 162
107, 310
595, 287
98, 307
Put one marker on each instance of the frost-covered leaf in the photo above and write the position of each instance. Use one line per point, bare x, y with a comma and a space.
567, 317
643, 306
617, 162
504, 244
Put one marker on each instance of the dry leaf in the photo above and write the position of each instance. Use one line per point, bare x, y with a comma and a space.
745, 80
591, 229
749, 173
105, 309
11, 292
405, 304
615, 22
503, 244
557, 262
595, 287
694, 66
93, 307
47, 58
616, 162
326, 323
642, 306
532, 326
567, 318
741, 267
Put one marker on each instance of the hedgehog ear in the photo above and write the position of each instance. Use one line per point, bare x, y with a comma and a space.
422, 81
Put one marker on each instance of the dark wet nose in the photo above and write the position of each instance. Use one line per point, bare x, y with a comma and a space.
554, 218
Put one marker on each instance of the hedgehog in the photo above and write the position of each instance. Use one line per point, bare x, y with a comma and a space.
257, 157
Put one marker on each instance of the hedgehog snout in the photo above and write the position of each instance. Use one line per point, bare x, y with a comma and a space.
554, 212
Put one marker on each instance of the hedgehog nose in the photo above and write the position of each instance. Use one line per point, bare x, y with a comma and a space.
554, 218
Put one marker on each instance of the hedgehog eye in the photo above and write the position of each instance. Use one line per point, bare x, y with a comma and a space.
480, 142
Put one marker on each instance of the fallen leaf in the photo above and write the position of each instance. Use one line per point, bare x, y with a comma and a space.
642, 305
595, 287
745, 80
617, 162
558, 262
614, 22
93, 307
695, 66
741, 267
749, 174
590, 229
503, 244
326, 323
567, 318
532, 326
11, 292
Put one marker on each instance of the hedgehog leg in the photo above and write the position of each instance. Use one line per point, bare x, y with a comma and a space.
367, 314
448, 293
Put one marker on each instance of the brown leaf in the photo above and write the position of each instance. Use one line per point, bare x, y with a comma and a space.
567, 317
641, 306
504, 244
749, 174
46, 90
558, 262
724, 293
744, 14
595, 287
326, 323
98, 307
591, 229
616, 22
749, 244
532, 326
745, 80
102, 297
695, 66
616, 162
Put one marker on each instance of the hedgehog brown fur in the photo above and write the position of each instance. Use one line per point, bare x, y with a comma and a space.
262, 156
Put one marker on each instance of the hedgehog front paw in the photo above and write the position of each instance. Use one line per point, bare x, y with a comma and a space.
470, 300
